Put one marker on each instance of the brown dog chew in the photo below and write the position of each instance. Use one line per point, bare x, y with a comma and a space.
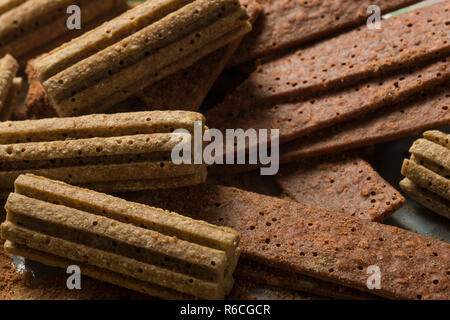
186, 89
289, 23
428, 172
8, 70
23, 23
404, 40
344, 183
11, 100
119, 152
325, 245
263, 275
417, 114
191, 85
426, 198
304, 116
144, 45
146, 244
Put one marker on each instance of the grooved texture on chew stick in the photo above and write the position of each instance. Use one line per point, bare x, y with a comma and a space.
304, 116
322, 244
8, 70
428, 172
20, 36
403, 41
116, 60
418, 113
186, 89
11, 99
344, 183
114, 153
258, 273
288, 23
136, 241
427, 198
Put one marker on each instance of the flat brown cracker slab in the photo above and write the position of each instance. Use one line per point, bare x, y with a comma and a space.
289, 23
318, 243
424, 112
344, 183
404, 40
263, 275
304, 116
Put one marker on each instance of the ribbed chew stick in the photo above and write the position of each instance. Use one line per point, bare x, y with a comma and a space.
23, 24
404, 40
165, 222
322, 244
115, 153
6, 5
118, 59
137, 241
428, 172
264, 275
11, 100
8, 70
289, 23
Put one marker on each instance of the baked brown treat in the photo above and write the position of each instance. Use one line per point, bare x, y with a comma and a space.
426, 111
144, 45
263, 275
23, 23
344, 183
427, 198
289, 23
187, 89
428, 172
9, 86
404, 40
8, 71
304, 116
139, 247
10, 102
326, 245
119, 152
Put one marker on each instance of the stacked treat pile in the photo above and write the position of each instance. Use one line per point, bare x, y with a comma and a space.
311, 69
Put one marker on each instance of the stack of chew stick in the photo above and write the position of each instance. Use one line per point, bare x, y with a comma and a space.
10, 86
147, 43
191, 85
30, 27
427, 173
113, 153
138, 247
